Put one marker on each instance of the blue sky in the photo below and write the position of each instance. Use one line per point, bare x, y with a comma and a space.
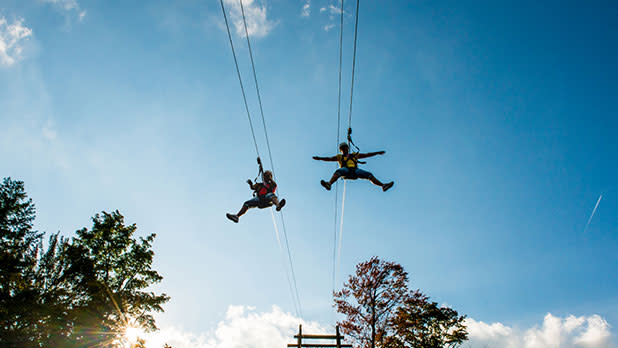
498, 120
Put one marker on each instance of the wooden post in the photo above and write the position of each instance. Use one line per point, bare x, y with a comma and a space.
338, 337
300, 335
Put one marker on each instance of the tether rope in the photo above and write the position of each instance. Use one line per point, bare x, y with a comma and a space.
270, 156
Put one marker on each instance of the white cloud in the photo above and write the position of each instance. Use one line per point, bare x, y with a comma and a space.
306, 9
258, 24
242, 327
570, 332
12, 38
68, 6
333, 12
332, 9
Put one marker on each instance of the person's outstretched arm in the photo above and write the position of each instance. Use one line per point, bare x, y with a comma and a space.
326, 159
370, 154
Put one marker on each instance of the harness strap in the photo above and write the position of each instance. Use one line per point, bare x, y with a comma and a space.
351, 142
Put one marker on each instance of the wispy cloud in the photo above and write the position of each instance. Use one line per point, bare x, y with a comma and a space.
328, 27
306, 9
70, 6
258, 24
333, 10
12, 38
569, 332
593, 212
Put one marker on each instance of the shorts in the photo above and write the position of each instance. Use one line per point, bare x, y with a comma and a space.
353, 173
260, 201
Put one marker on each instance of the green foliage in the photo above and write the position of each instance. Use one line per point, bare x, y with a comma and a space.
118, 269
381, 312
79, 292
18, 254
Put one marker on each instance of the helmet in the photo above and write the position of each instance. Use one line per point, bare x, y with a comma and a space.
342, 145
268, 173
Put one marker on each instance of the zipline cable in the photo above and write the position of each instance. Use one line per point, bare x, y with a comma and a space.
337, 144
272, 213
295, 297
295, 294
353, 66
340, 241
341, 227
242, 87
257, 87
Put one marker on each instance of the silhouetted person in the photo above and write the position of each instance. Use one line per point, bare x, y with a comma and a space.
264, 196
348, 163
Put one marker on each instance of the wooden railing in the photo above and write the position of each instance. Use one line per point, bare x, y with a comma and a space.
300, 337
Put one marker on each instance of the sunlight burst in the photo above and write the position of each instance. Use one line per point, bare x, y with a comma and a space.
132, 334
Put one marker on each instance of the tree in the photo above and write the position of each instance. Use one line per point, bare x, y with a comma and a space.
381, 312
115, 270
18, 254
420, 323
367, 299
77, 292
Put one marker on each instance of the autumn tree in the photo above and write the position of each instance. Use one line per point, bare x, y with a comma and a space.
368, 299
380, 311
421, 323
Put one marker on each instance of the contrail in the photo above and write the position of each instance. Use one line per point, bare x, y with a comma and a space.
593, 211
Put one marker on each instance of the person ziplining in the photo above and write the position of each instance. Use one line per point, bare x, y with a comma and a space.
348, 166
264, 195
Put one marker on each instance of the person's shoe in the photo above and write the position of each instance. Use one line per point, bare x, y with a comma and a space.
281, 204
385, 187
325, 184
232, 217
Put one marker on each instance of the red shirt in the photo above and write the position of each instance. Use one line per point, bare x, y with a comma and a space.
266, 188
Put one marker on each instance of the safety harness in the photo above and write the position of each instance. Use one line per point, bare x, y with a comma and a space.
351, 156
262, 188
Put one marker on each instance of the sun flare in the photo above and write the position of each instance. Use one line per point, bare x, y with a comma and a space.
132, 334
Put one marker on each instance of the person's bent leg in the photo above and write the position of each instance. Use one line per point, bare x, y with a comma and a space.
363, 174
252, 203
274, 199
242, 210
375, 181
367, 175
334, 178
279, 203
384, 186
